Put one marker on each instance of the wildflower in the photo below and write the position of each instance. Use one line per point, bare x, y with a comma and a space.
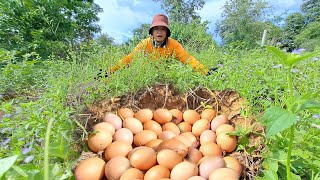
317, 116
6, 142
294, 70
315, 59
277, 66
28, 159
26, 150
298, 51
7, 115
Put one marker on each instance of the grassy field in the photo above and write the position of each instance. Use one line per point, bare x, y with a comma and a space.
36, 93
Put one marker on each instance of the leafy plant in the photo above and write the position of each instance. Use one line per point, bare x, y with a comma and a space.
277, 119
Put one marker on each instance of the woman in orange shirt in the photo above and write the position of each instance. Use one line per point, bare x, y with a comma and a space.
159, 44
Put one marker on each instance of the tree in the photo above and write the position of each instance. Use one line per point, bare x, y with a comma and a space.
243, 21
294, 23
311, 8
46, 26
309, 37
183, 11
105, 40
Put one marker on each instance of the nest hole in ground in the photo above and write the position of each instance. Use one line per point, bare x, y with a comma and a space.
226, 102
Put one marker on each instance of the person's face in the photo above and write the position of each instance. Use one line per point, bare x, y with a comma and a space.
159, 33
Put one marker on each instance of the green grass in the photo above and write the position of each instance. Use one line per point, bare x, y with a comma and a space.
41, 90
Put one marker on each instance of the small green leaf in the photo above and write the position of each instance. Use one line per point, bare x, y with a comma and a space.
268, 175
292, 59
269, 164
20, 171
310, 105
305, 105
282, 55
7, 163
278, 119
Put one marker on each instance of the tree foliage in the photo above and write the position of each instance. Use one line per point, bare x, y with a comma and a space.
309, 37
243, 21
183, 11
105, 40
46, 26
294, 23
311, 8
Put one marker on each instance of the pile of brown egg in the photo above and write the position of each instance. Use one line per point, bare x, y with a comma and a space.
161, 144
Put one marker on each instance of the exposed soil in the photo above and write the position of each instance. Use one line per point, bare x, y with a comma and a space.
227, 102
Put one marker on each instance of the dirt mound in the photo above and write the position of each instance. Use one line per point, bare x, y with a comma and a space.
227, 102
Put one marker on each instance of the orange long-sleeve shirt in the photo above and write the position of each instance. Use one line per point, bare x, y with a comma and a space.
172, 48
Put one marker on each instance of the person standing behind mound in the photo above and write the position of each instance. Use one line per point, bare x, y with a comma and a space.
159, 44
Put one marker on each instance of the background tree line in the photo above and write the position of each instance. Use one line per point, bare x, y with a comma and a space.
52, 27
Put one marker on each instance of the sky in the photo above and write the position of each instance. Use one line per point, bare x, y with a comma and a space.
120, 17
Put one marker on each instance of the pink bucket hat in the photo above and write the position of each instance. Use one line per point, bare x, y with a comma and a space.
160, 20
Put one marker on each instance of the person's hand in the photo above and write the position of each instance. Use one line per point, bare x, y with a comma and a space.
212, 70
101, 74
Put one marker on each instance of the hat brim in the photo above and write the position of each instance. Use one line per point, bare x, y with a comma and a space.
160, 24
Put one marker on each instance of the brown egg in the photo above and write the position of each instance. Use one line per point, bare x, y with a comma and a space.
191, 137
116, 166
168, 158
157, 172
164, 135
185, 140
208, 136
191, 116
162, 116
143, 137
233, 163
117, 148
153, 126
226, 142
90, 169
144, 115
208, 114
143, 158
132, 173
171, 127
104, 126
208, 164
218, 120
224, 128
194, 155
175, 145
123, 134
133, 124
210, 149
113, 119
184, 170
98, 141
184, 127
125, 113
135, 149
176, 116
224, 173
200, 126
154, 143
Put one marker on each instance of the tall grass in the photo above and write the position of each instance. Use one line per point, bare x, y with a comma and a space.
39, 90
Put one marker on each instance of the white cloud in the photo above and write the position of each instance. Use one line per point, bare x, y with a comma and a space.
120, 17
